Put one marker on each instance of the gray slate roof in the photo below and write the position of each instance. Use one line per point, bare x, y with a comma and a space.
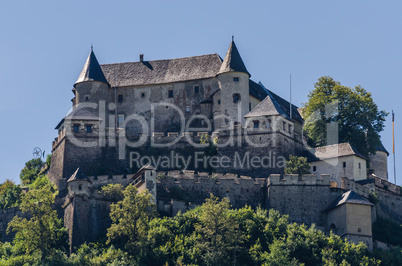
79, 114
257, 90
333, 151
272, 105
162, 71
380, 147
349, 197
91, 71
233, 61
78, 175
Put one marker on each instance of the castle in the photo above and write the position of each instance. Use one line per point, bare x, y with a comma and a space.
187, 127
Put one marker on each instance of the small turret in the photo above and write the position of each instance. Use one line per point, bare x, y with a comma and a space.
78, 183
91, 85
233, 79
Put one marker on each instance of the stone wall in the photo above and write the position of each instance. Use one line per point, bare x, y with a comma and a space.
6, 216
304, 199
188, 187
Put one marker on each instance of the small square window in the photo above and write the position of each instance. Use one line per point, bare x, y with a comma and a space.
143, 95
196, 89
344, 164
359, 230
170, 95
236, 79
188, 109
314, 168
76, 128
86, 98
80, 187
89, 128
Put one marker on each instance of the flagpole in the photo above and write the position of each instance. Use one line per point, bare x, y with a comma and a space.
393, 143
290, 94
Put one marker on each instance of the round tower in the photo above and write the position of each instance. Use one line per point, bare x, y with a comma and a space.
379, 162
91, 86
233, 79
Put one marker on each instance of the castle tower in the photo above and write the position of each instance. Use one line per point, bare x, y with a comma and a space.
91, 85
378, 161
233, 79
78, 184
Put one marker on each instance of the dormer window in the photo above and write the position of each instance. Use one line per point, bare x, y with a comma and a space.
196, 89
236, 97
236, 79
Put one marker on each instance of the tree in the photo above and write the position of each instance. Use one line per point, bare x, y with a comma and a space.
43, 232
10, 195
31, 171
353, 110
130, 219
297, 165
113, 192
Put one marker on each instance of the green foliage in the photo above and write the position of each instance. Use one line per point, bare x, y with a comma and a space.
297, 165
204, 139
373, 198
48, 160
43, 232
389, 257
353, 110
31, 171
387, 231
113, 192
130, 219
10, 195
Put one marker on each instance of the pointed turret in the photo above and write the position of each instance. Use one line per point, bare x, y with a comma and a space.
233, 61
91, 71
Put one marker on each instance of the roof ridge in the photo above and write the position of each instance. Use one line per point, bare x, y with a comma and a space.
161, 60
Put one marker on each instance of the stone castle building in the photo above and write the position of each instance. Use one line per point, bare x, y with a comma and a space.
187, 127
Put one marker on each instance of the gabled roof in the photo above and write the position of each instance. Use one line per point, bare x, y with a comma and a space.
78, 175
79, 113
162, 71
333, 151
349, 197
233, 61
273, 105
91, 71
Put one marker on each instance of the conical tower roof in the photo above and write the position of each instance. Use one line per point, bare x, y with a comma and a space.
78, 175
233, 61
91, 71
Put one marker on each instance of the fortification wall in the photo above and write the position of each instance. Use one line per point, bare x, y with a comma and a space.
195, 188
304, 198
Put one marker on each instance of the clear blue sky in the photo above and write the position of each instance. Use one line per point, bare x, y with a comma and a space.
44, 44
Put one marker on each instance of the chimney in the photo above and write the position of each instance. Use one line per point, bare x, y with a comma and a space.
142, 57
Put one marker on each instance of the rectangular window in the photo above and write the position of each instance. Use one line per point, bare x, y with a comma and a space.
89, 128
120, 120
360, 166
256, 124
314, 168
196, 89
76, 128
236, 79
120, 98
188, 109
344, 164
249, 106
219, 101
170, 95
290, 129
143, 95
236, 97
284, 125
